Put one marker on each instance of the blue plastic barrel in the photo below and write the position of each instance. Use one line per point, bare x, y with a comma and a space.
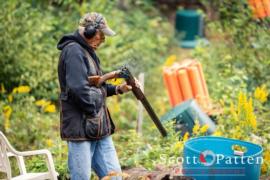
215, 158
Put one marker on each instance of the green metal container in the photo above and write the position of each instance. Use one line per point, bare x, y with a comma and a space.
189, 27
186, 114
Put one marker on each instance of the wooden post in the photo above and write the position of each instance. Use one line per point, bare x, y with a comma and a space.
140, 106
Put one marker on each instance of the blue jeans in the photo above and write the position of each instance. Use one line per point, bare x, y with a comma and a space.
98, 155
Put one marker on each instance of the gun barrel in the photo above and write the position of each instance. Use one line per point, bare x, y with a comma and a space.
141, 97
153, 116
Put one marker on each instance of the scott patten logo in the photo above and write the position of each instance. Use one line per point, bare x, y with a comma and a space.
207, 158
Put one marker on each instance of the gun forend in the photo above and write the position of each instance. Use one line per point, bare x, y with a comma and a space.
99, 80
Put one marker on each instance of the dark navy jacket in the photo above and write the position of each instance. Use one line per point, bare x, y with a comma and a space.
84, 115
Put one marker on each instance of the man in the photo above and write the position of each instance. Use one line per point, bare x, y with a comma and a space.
85, 123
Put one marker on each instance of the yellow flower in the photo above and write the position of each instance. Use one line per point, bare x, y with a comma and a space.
50, 108
178, 145
49, 142
185, 138
242, 99
7, 124
204, 128
2, 88
217, 133
250, 115
261, 93
46, 105
264, 168
15, 90
42, 103
244, 114
21, 89
24, 89
233, 112
170, 60
196, 128
237, 133
266, 162
267, 156
7, 110
10, 98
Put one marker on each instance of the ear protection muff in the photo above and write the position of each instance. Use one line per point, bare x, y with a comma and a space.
91, 29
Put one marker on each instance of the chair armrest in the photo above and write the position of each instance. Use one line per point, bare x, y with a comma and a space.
20, 161
34, 152
49, 159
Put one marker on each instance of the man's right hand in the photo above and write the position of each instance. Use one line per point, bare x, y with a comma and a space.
123, 88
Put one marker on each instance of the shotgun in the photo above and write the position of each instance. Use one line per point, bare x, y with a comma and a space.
130, 80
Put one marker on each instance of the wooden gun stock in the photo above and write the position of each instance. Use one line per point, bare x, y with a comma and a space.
99, 80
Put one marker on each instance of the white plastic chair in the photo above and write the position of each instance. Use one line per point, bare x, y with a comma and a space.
6, 151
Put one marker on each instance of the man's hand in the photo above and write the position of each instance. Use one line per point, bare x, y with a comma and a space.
123, 88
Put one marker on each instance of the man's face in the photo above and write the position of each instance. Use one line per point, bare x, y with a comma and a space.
98, 39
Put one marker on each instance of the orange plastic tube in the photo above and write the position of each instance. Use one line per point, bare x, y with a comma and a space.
174, 88
205, 90
251, 2
167, 85
183, 80
266, 4
260, 11
179, 97
253, 8
195, 81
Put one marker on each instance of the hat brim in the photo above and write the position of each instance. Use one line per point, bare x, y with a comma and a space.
108, 31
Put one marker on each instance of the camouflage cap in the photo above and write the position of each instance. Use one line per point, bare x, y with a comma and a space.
96, 19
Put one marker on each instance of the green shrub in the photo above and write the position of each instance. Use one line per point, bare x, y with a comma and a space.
26, 49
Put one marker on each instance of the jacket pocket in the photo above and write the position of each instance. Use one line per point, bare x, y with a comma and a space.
93, 127
97, 127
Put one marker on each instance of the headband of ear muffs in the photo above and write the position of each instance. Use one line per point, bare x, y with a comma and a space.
91, 29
